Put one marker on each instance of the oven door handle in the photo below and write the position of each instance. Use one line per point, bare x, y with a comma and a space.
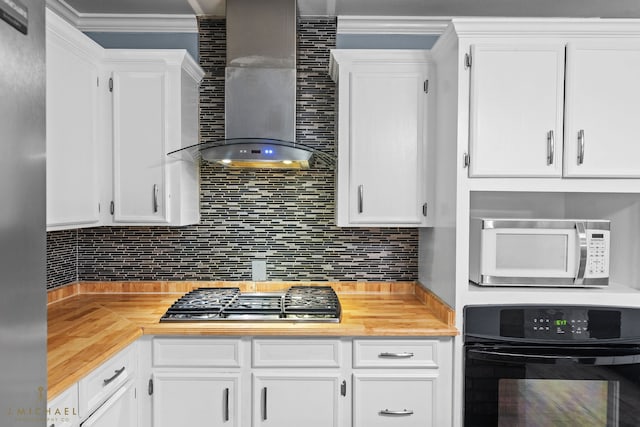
550, 358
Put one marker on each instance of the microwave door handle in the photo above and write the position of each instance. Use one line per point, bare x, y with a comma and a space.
582, 248
523, 358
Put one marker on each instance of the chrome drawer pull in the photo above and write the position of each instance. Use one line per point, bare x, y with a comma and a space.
116, 375
155, 198
225, 398
405, 355
264, 403
580, 146
397, 413
551, 146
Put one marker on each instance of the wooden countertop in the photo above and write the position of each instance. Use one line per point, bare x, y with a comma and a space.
86, 329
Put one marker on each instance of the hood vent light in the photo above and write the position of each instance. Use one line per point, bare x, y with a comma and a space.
260, 91
257, 153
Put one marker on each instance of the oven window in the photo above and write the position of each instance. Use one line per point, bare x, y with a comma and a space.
519, 386
555, 402
531, 252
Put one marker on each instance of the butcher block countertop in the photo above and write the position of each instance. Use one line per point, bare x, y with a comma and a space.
90, 322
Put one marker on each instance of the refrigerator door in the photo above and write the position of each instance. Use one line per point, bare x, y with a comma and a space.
23, 358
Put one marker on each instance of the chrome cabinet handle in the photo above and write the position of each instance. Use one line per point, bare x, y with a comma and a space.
264, 403
397, 413
116, 375
405, 355
155, 198
225, 398
581, 146
582, 242
360, 198
551, 147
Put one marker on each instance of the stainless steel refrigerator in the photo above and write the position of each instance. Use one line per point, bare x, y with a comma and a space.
23, 311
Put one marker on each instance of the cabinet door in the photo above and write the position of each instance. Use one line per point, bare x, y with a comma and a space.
386, 400
602, 110
72, 143
196, 398
382, 134
119, 410
139, 146
516, 96
296, 399
63, 410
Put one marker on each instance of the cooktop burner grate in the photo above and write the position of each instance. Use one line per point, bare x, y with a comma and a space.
298, 303
311, 299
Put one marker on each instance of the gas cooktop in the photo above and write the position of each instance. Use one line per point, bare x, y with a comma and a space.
297, 304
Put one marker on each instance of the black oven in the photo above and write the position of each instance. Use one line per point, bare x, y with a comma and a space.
542, 366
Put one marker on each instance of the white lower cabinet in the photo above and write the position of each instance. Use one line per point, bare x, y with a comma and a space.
293, 382
119, 410
385, 400
106, 380
196, 381
63, 410
196, 398
402, 382
292, 399
106, 397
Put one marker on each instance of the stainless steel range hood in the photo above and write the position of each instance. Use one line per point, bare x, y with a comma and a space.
260, 90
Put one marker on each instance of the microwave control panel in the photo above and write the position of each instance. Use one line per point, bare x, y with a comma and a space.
597, 254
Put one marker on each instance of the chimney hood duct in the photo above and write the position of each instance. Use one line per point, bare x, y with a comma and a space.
260, 91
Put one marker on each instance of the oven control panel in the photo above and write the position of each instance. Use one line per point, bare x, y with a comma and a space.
557, 324
560, 324
551, 323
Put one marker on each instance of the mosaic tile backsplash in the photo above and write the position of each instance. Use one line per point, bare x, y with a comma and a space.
284, 217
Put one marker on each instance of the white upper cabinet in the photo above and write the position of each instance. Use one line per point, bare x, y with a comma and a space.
516, 101
602, 109
73, 187
382, 137
112, 117
533, 114
154, 110
139, 146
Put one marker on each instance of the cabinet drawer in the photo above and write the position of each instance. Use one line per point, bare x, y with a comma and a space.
395, 354
394, 400
119, 410
201, 352
296, 353
96, 387
63, 410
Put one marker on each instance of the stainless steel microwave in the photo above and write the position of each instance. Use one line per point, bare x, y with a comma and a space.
539, 252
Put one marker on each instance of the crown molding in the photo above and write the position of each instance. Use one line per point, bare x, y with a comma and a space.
139, 23
546, 27
129, 23
63, 10
424, 25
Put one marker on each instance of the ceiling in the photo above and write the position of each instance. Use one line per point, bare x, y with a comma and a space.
520, 8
